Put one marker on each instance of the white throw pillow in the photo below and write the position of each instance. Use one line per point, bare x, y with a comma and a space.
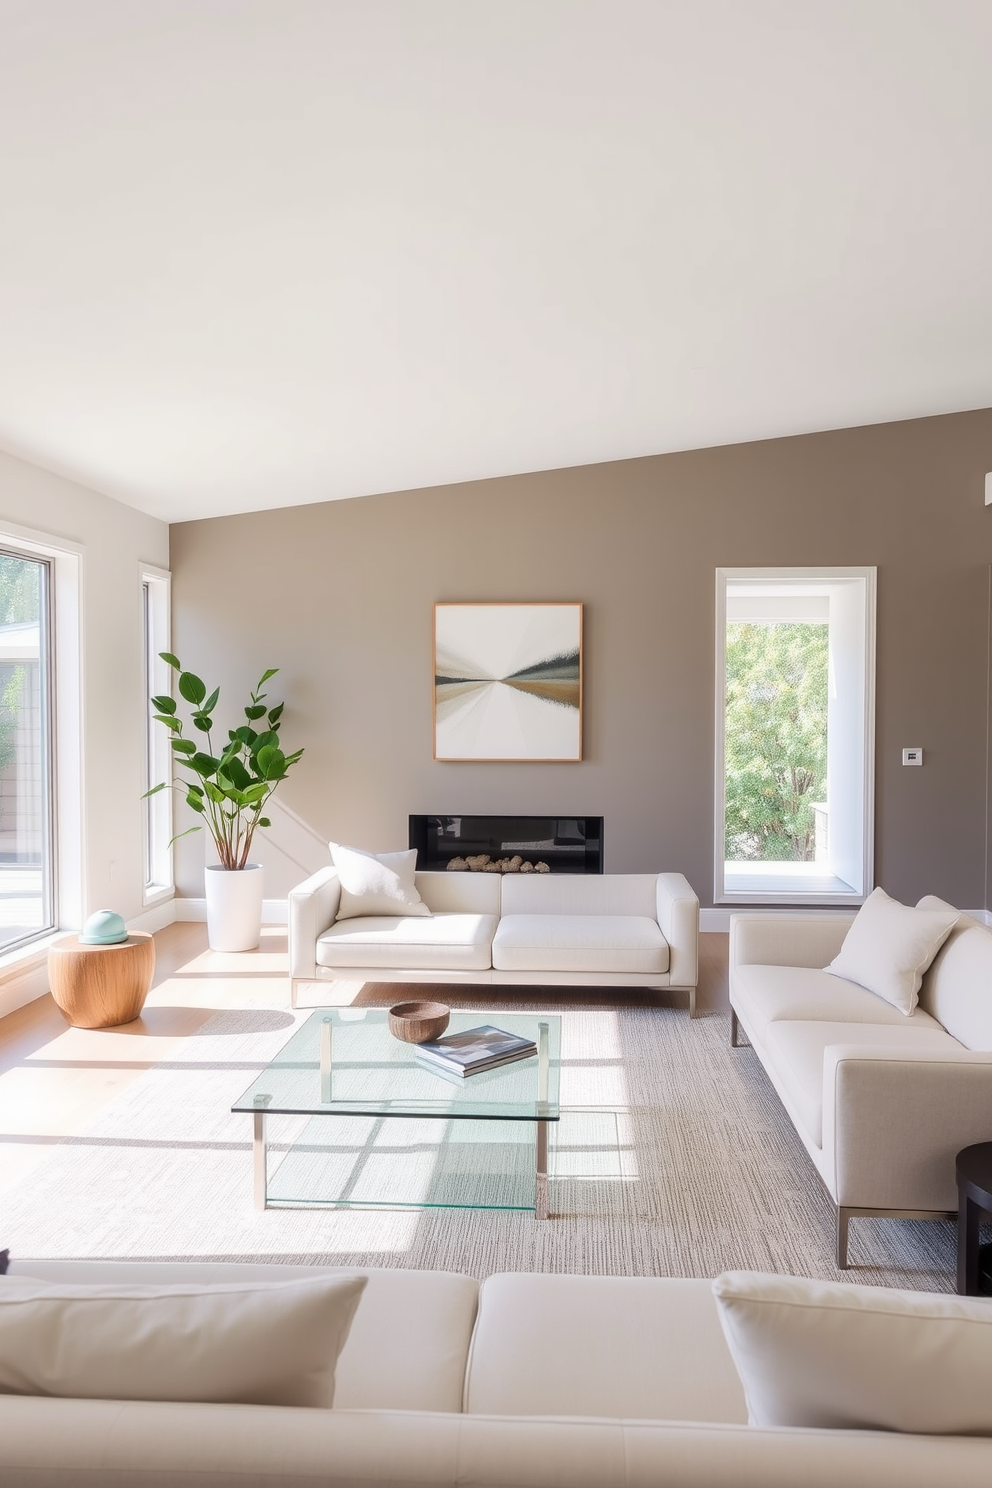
889, 947
255, 1343
376, 883
826, 1354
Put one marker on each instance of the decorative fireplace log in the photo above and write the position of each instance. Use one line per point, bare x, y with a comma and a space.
483, 863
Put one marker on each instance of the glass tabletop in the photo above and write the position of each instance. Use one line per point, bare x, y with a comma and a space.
371, 1073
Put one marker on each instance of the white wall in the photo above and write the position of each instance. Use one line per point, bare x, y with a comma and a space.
115, 541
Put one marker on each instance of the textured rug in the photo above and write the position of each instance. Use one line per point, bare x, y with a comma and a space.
673, 1158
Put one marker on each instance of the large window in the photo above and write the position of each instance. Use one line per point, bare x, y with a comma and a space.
158, 755
27, 907
794, 747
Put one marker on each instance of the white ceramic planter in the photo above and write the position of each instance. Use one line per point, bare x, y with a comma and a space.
234, 907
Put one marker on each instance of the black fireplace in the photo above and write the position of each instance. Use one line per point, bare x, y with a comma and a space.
567, 844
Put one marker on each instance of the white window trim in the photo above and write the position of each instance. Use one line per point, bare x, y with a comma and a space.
783, 575
157, 820
68, 803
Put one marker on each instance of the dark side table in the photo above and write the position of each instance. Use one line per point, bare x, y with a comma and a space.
974, 1169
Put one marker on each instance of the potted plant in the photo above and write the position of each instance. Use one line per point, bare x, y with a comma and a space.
228, 788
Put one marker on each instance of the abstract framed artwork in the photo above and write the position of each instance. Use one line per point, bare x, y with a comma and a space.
508, 682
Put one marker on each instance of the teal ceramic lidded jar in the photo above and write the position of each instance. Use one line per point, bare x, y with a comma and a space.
105, 927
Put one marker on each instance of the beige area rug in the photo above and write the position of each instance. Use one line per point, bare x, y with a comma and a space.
674, 1158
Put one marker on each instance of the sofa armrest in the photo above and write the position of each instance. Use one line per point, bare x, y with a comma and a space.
678, 919
894, 1119
786, 939
313, 905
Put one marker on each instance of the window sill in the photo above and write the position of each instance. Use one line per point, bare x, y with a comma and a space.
784, 883
154, 894
26, 957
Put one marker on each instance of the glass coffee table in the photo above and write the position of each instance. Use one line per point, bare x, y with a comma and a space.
362, 1121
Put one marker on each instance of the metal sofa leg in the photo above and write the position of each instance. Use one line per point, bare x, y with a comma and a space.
734, 1030
294, 984
692, 1002
843, 1218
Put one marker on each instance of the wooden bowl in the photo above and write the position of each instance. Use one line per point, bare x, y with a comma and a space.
416, 1022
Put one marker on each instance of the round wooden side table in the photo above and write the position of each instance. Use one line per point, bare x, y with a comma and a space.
974, 1170
99, 986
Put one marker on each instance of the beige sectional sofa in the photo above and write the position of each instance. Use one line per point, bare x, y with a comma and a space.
548, 930
882, 1101
527, 1381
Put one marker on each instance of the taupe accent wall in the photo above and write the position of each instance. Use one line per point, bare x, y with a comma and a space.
340, 596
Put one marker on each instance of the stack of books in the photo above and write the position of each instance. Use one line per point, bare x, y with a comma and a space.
477, 1049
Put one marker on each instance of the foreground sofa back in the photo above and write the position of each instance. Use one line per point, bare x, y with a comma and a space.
599, 1343
93, 1443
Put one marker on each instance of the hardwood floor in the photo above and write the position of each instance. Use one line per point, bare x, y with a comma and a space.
55, 1079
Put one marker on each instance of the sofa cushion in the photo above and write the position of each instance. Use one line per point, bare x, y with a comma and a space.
769, 994
376, 883
459, 893
445, 942
635, 1347
567, 942
409, 1341
248, 1343
889, 947
957, 989
795, 1052
580, 893
830, 1355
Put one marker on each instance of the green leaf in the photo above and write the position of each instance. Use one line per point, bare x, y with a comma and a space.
191, 687
162, 785
197, 790
211, 703
214, 792
201, 723
265, 739
263, 821
183, 746
174, 662
292, 758
275, 714
256, 794
245, 735
196, 802
164, 703
236, 773
204, 764
271, 762
257, 710
197, 828
170, 722
266, 675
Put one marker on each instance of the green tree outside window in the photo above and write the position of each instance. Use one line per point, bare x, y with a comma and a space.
776, 739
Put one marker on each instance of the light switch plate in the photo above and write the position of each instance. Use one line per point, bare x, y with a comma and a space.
912, 756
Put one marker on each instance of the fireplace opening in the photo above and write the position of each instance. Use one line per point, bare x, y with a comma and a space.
504, 844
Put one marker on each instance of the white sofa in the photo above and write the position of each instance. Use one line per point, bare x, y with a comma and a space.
882, 1101
527, 1381
548, 930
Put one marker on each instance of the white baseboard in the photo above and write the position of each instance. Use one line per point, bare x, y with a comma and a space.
274, 911
717, 921
155, 918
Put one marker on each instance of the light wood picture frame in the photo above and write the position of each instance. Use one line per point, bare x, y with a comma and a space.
508, 682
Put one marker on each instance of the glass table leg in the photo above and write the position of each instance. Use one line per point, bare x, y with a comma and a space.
325, 1062
541, 1176
258, 1149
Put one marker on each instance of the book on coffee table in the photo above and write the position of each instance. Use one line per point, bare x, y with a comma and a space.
475, 1050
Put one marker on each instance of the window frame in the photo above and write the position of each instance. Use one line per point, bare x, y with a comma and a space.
155, 590
65, 712
792, 896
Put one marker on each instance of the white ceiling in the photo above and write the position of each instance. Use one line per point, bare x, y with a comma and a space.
262, 252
